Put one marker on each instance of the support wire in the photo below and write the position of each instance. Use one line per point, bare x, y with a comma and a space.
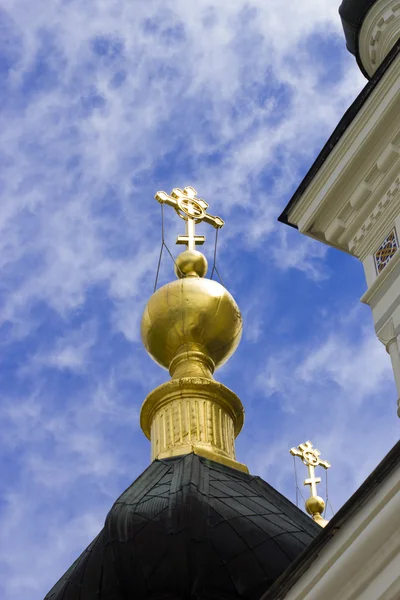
295, 480
298, 490
215, 269
164, 245
327, 501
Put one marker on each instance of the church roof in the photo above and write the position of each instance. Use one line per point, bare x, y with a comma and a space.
190, 527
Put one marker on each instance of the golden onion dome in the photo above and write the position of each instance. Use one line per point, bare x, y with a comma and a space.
191, 314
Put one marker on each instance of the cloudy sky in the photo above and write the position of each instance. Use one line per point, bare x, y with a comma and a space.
102, 104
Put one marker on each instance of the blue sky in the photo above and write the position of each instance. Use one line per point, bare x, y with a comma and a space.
103, 104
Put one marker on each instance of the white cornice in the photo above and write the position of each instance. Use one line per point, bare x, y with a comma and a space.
380, 189
373, 109
378, 222
342, 186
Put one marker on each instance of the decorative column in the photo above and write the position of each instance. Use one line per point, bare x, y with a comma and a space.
390, 340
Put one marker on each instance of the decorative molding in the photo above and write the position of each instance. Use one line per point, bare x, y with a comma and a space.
335, 229
380, 280
193, 414
387, 158
186, 422
369, 195
386, 251
375, 215
386, 333
360, 195
328, 188
379, 32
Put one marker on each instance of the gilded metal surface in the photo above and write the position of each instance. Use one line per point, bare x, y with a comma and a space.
191, 327
190, 263
193, 414
191, 313
192, 210
311, 458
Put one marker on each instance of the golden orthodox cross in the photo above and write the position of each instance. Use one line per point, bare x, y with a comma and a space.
192, 210
311, 458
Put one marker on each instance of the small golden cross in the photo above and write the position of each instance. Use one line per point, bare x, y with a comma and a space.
192, 210
310, 457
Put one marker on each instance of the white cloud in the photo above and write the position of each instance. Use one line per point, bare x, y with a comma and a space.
331, 391
202, 59
106, 102
70, 352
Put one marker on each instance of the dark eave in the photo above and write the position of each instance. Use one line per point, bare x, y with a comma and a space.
288, 579
344, 123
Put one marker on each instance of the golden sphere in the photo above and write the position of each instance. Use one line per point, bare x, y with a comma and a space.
315, 505
194, 313
191, 262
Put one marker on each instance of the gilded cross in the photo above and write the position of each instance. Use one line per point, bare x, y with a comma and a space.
192, 210
311, 458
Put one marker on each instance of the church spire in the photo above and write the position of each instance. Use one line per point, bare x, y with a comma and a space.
191, 327
311, 458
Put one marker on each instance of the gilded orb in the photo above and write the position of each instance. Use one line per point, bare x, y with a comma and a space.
315, 505
191, 313
191, 263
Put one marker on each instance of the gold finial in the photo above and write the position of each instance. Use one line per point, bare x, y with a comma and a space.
191, 327
190, 263
311, 458
192, 210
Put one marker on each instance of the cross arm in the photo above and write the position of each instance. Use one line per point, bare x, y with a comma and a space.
312, 480
216, 222
296, 452
164, 198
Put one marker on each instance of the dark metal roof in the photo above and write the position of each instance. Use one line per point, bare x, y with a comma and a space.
288, 579
190, 528
352, 13
339, 131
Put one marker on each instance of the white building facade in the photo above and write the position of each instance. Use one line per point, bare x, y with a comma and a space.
357, 555
350, 199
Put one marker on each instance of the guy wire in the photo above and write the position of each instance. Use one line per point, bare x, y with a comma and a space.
215, 259
327, 501
298, 490
163, 244
172, 258
295, 479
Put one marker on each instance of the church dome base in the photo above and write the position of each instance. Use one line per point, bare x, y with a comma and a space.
189, 527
